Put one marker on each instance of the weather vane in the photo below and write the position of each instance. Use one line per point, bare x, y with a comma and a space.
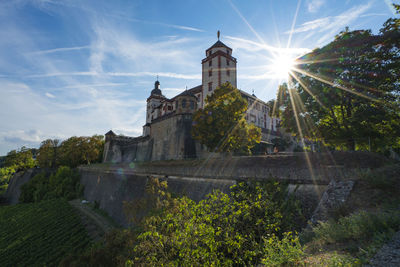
157, 77
218, 34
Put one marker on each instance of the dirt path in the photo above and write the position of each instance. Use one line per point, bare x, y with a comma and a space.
96, 224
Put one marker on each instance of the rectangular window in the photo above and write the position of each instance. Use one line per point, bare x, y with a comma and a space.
169, 108
210, 73
227, 62
228, 73
210, 87
210, 63
227, 51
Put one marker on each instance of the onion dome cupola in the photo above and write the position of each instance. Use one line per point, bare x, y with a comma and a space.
156, 90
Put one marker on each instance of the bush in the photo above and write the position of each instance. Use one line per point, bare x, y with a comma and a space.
284, 252
62, 184
368, 230
383, 179
246, 227
115, 251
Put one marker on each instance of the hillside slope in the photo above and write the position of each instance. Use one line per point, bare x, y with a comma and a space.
40, 233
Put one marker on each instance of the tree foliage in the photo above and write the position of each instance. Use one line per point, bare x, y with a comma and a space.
347, 92
21, 159
249, 226
16, 160
62, 184
221, 125
71, 152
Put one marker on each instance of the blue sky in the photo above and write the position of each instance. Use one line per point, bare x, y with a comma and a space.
85, 67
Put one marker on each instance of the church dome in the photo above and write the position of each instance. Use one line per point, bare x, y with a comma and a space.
156, 90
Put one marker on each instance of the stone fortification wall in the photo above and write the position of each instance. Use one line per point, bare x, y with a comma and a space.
111, 184
170, 138
297, 168
127, 149
17, 180
111, 188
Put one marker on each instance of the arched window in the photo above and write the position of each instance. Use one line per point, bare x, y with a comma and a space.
184, 103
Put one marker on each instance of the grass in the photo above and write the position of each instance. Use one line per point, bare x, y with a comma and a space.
369, 218
40, 234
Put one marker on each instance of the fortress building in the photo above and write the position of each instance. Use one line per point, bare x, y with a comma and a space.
167, 132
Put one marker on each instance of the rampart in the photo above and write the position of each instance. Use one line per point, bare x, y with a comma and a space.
112, 184
170, 138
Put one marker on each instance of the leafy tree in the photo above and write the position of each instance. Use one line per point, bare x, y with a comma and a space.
81, 150
281, 143
16, 160
48, 153
71, 152
64, 183
347, 92
221, 125
247, 227
20, 160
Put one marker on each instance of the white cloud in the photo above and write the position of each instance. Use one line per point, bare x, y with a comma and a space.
249, 45
49, 95
313, 25
117, 74
331, 25
60, 49
314, 5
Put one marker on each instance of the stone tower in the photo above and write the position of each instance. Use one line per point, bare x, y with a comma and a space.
153, 104
217, 68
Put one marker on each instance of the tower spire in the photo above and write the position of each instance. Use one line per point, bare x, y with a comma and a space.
218, 34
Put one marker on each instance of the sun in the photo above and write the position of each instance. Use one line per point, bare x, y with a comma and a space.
282, 64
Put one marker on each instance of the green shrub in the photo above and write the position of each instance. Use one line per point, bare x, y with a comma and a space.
246, 227
5, 176
64, 183
114, 251
365, 229
284, 252
379, 180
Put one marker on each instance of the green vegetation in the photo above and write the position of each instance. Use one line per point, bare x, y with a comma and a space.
62, 184
72, 152
113, 251
221, 125
254, 224
16, 160
39, 234
359, 235
359, 228
347, 92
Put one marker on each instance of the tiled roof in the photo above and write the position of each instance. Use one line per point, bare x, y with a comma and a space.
219, 44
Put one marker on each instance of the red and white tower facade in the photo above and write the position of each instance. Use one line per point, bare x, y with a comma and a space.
218, 67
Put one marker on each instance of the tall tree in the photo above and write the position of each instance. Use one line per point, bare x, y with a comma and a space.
20, 159
221, 125
48, 153
347, 92
81, 150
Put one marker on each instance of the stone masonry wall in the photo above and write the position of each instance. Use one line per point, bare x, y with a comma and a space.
172, 138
